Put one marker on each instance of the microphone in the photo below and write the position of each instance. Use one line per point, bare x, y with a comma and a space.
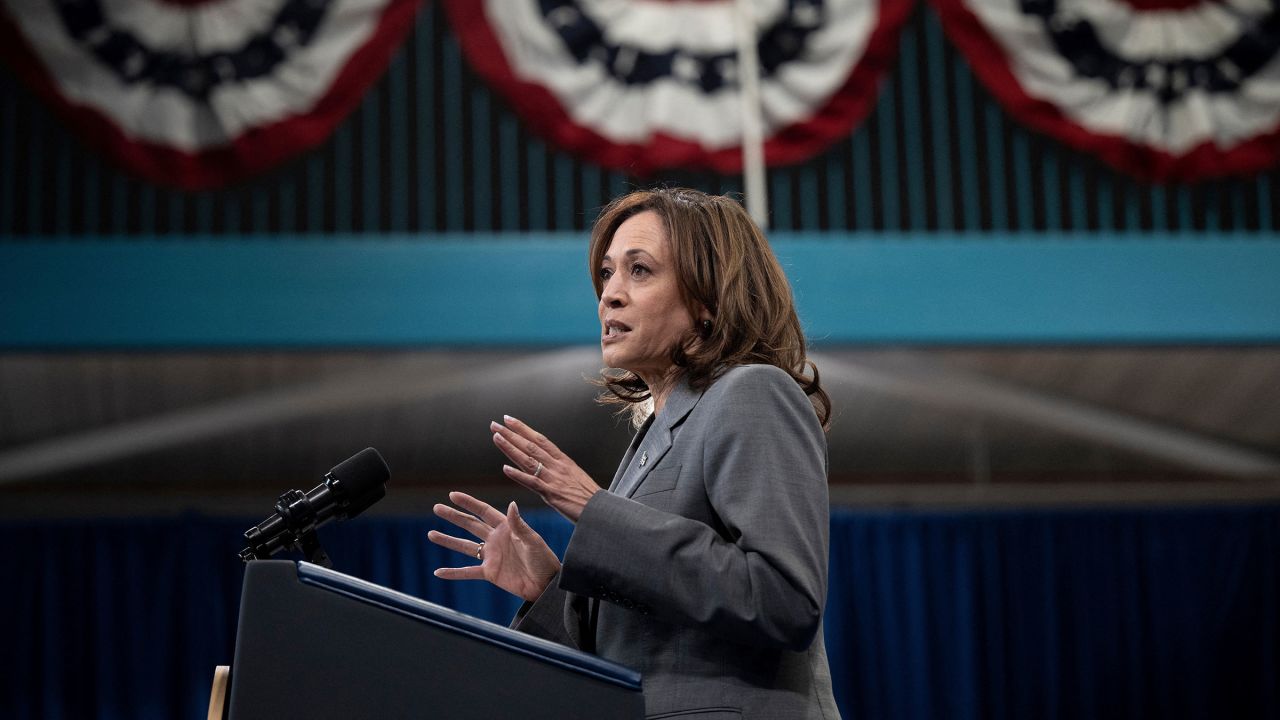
348, 490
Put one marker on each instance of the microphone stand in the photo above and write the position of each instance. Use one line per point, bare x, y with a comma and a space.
309, 544
296, 510
299, 533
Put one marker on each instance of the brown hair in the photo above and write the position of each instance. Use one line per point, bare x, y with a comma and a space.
723, 263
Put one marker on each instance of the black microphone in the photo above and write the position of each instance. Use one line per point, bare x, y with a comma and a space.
348, 490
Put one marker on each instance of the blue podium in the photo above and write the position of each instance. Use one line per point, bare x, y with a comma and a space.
314, 643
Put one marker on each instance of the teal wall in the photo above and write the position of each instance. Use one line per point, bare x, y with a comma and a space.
494, 290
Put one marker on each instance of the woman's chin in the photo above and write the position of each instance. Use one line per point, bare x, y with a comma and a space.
618, 360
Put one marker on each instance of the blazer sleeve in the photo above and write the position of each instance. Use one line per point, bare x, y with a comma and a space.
558, 616
760, 579
544, 617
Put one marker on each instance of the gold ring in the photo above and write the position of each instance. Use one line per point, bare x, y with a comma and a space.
480, 552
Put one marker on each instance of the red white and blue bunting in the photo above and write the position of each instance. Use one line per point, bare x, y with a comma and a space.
202, 93
645, 85
1161, 89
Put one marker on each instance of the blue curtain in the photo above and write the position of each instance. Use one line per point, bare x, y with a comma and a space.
1163, 613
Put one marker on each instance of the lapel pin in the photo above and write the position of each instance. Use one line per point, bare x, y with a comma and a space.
644, 458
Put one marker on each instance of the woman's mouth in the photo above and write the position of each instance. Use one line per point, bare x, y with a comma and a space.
614, 330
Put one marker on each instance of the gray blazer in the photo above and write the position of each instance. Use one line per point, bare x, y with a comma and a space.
705, 565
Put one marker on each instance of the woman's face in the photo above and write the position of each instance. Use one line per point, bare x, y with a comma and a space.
642, 316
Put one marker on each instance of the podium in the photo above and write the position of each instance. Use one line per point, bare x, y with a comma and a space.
314, 643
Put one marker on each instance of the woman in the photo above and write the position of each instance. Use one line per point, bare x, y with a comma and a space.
704, 566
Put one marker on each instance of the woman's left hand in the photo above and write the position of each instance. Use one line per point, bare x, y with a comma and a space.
542, 468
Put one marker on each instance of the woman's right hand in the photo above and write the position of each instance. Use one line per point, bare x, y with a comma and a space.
515, 557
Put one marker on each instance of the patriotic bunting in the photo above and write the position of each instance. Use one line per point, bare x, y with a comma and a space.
641, 86
202, 93
1162, 89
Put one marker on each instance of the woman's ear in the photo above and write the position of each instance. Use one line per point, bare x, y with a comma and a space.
702, 318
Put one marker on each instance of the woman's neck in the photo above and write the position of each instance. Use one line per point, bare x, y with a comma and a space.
660, 387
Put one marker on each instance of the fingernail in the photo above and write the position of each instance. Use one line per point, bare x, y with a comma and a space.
436, 573
508, 469
493, 425
508, 418
496, 437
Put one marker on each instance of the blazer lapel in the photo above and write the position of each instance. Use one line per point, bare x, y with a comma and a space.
657, 441
636, 441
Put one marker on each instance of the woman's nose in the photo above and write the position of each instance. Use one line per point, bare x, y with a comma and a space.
611, 294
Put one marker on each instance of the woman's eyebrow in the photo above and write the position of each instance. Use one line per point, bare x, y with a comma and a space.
633, 252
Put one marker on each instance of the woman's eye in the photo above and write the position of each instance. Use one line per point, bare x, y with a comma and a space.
606, 273
638, 270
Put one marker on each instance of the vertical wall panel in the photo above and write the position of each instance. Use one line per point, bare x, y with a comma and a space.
562, 192
8, 163
508, 193
1265, 220
618, 184
314, 200
35, 179
940, 121
288, 201
117, 211
147, 209
997, 202
1024, 217
371, 163
1132, 204
204, 212
592, 190
780, 200
482, 189
230, 213
1106, 220
63, 190
536, 187
887, 138
837, 194
425, 125
1185, 209
1077, 197
1212, 209
341, 170
396, 145
1241, 217
451, 109
1051, 176
810, 199
967, 144
913, 138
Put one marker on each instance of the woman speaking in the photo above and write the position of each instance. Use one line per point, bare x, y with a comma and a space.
704, 565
